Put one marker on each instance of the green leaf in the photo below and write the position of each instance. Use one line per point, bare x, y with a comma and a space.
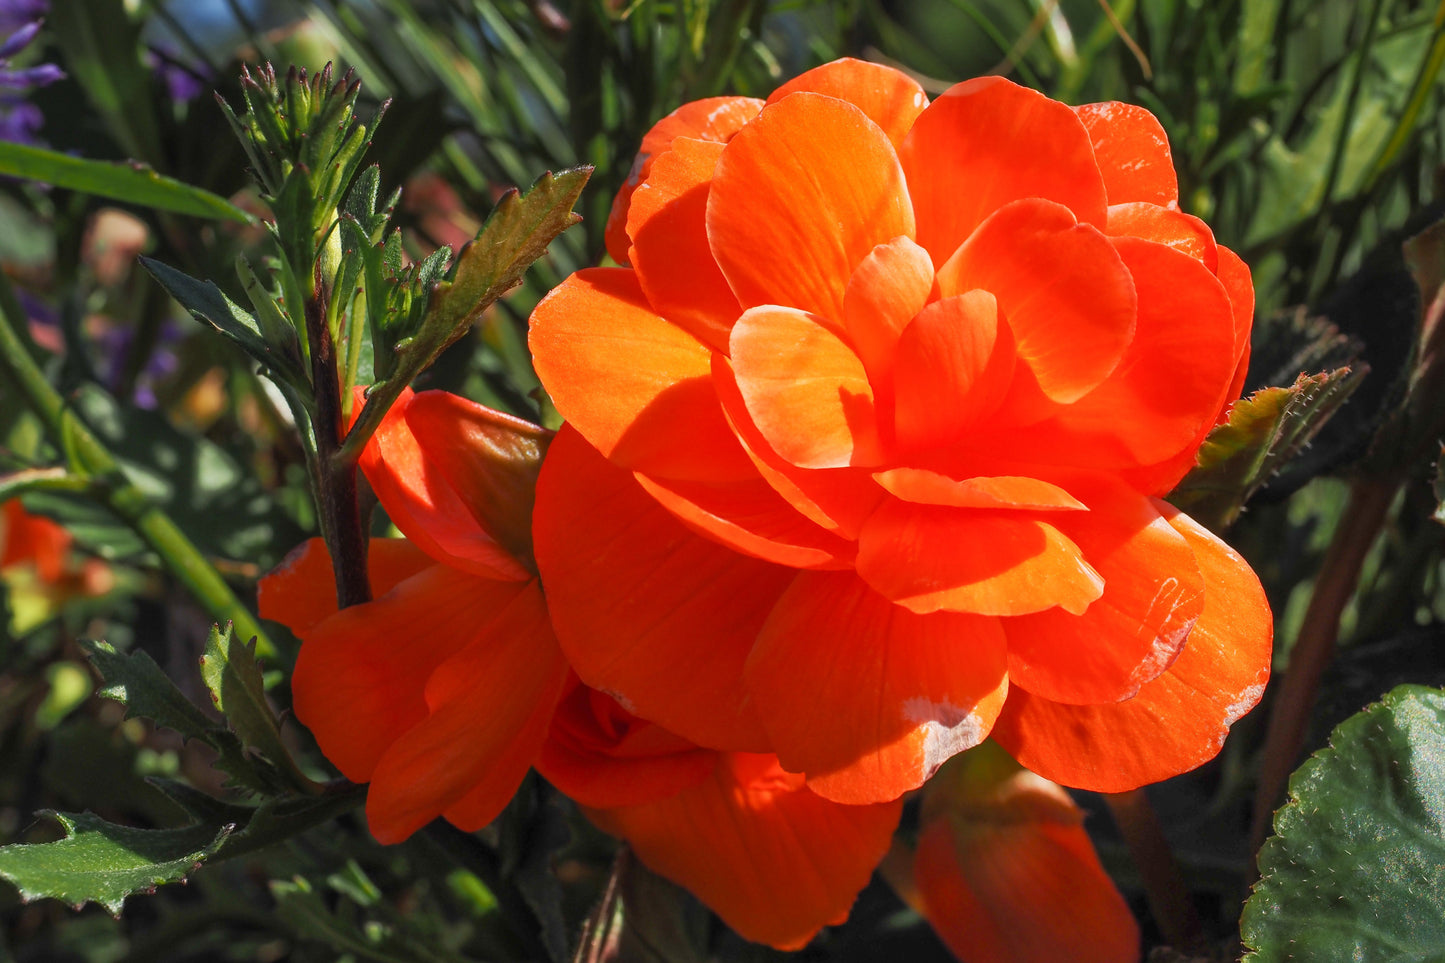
132, 183
515, 234
1439, 515
210, 305
230, 671
1356, 870
1262, 434
644, 918
103, 51
135, 680
99, 862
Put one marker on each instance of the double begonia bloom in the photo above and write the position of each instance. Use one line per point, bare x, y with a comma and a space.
865, 441
775, 860
440, 691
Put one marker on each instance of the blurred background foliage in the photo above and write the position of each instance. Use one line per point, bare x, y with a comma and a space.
1307, 132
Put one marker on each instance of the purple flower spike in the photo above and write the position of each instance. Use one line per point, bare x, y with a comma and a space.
20, 39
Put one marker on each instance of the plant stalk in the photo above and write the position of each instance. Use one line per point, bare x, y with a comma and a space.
89, 458
1164, 885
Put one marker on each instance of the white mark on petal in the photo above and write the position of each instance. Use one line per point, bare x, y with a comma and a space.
1247, 700
622, 700
947, 730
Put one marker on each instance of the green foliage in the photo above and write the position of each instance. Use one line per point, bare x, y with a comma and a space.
1357, 868
100, 862
135, 680
102, 49
1263, 433
132, 183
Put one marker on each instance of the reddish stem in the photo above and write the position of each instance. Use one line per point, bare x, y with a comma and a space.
1164, 886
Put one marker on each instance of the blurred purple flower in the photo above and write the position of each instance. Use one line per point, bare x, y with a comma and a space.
20, 22
184, 81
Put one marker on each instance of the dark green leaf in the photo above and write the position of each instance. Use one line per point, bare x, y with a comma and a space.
1263, 433
135, 680
132, 183
1356, 870
210, 305
103, 51
230, 671
1439, 515
99, 862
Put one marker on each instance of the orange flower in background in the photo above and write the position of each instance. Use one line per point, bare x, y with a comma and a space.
865, 444
440, 691
34, 539
776, 861
1005, 872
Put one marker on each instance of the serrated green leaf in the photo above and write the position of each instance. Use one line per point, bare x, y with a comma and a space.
210, 305
515, 234
1263, 433
135, 680
1356, 870
131, 183
99, 862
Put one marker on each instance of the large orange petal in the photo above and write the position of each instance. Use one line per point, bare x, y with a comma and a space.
1234, 275
837, 499
603, 756
1166, 392
1179, 720
931, 557
489, 706
1068, 297
1153, 593
753, 519
638, 387
712, 118
867, 698
1185, 233
925, 487
1132, 151
801, 195
987, 142
645, 609
775, 861
301, 591
889, 287
953, 365
359, 679
805, 389
488, 458
425, 507
669, 244
891, 99
1021, 892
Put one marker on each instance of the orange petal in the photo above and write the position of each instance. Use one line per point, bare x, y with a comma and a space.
488, 458
1166, 393
1067, 295
360, 676
891, 99
867, 698
1013, 891
805, 389
35, 539
489, 706
425, 507
637, 387
925, 487
929, 558
775, 861
751, 518
1234, 275
646, 610
1179, 720
987, 142
801, 195
669, 244
1153, 593
889, 287
301, 591
837, 499
712, 118
1132, 151
953, 366
1185, 233
603, 756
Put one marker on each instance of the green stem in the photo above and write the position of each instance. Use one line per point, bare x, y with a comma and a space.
1360, 524
90, 459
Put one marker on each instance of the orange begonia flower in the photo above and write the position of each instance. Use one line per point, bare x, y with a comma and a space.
33, 539
440, 691
775, 860
865, 442
1005, 872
